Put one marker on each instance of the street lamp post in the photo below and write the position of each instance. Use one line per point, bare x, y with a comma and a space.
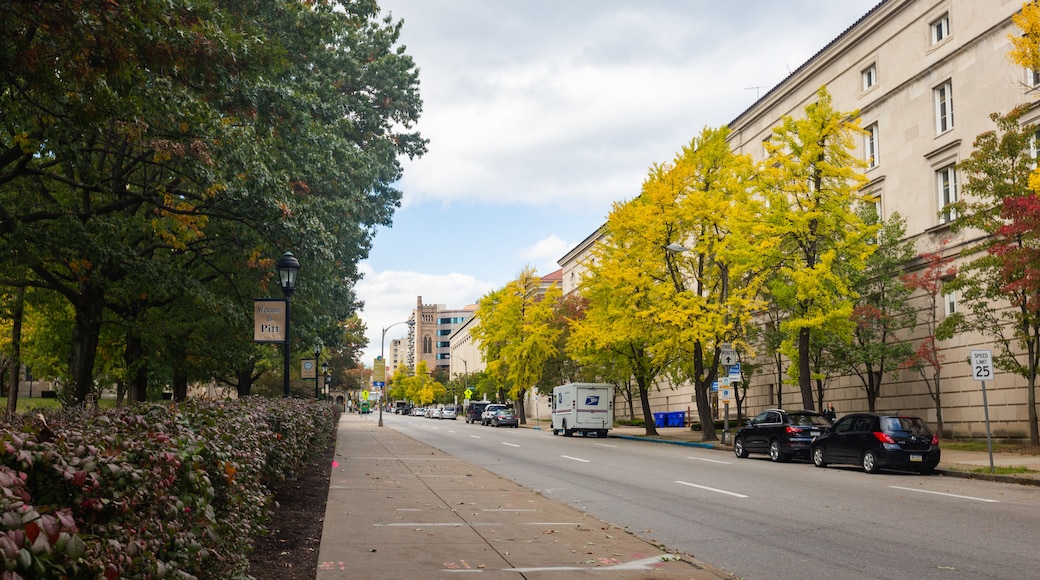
465, 378
382, 349
328, 378
288, 267
317, 356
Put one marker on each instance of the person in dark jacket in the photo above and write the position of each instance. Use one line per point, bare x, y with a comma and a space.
829, 412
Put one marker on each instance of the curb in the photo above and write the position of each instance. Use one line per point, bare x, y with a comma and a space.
995, 477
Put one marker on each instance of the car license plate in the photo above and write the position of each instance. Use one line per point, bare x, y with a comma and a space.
916, 458
815, 432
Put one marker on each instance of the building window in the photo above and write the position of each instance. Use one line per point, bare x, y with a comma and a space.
1032, 78
943, 107
869, 75
940, 28
427, 345
443, 344
950, 303
946, 184
445, 332
870, 146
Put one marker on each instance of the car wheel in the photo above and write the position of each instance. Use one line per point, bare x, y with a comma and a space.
870, 461
739, 449
818, 457
774, 451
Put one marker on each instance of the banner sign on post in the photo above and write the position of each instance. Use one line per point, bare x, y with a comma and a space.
269, 320
308, 369
379, 371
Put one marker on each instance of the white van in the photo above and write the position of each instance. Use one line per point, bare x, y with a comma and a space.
584, 408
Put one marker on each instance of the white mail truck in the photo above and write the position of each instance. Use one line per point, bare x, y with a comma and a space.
586, 408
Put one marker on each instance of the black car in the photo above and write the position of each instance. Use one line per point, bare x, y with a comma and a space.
878, 442
474, 410
781, 434
504, 418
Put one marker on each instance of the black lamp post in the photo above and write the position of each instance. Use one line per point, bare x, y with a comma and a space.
317, 356
288, 267
328, 377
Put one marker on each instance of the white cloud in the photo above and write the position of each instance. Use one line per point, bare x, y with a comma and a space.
390, 297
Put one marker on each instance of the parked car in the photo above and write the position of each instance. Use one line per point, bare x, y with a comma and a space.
433, 413
489, 411
418, 411
781, 434
878, 442
449, 413
504, 418
474, 410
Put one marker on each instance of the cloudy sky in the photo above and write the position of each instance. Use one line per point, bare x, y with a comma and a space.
541, 114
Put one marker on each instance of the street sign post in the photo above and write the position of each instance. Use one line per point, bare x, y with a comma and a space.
982, 371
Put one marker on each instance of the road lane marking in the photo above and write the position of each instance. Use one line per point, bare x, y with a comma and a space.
575, 458
946, 494
710, 460
605, 445
475, 436
706, 488
510, 444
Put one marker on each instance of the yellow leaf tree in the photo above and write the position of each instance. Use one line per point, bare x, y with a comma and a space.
813, 239
516, 333
660, 291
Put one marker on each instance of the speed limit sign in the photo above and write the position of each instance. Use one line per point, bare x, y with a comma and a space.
981, 365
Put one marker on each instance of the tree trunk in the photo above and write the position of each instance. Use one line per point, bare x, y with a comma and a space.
180, 382
644, 400
138, 375
804, 370
245, 381
707, 418
17, 311
85, 336
521, 412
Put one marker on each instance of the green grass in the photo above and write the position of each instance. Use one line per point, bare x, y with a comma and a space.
27, 404
997, 447
1002, 470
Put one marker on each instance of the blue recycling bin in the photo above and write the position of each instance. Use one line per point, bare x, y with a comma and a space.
660, 419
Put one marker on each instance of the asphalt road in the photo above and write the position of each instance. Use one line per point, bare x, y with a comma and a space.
758, 519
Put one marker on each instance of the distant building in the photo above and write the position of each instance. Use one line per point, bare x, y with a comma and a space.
434, 324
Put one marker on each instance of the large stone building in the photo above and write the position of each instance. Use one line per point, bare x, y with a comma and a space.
429, 337
925, 76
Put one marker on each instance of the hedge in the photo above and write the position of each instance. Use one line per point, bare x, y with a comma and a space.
155, 490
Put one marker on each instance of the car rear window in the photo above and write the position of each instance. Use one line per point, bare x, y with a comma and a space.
914, 425
807, 420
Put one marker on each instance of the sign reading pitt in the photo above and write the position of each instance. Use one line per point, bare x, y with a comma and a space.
269, 320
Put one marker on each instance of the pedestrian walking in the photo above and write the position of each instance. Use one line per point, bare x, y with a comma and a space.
829, 412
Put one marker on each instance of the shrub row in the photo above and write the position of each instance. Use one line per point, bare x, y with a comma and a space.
155, 490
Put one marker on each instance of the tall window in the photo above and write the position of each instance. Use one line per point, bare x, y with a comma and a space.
1033, 78
869, 76
870, 145
946, 185
427, 345
950, 302
943, 107
940, 28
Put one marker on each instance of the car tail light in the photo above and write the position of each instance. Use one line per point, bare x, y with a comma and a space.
935, 439
792, 430
884, 437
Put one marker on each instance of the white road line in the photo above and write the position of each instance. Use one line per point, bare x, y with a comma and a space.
605, 445
711, 460
706, 488
575, 458
510, 444
475, 436
946, 494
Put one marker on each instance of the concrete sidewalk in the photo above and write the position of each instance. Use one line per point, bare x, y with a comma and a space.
400, 509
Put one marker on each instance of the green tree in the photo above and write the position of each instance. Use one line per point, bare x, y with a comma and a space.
144, 145
811, 235
881, 312
1002, 201
517, 333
